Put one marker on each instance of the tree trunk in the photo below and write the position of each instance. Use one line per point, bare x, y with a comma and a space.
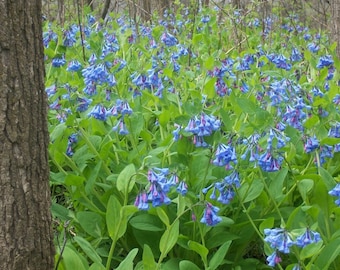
105, 9
26, 238
146, 10
61, 12
335, 24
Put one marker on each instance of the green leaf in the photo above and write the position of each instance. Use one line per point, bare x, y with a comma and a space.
113, 217
127, 263
188, 265
328, 254
60, 211
276, 184
199, 249
146, 222
125, 179
246, 105
251, 192
267, 223
91, 222
311, 121
219, 255
58, 131
169, 238
209, 63
311, 250
71, 259
330, 141
209, 88
327, 178
163, 216
88, 249
125, 213
74, 180
148, 259
97, 266
91, 180
305, 186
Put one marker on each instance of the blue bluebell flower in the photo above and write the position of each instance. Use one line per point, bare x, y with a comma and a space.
317, 92
308, 237
176, 132
280, 61
69, 38
336, 99
98, 112
156, 194
296, 56
221, 88
51, 90
278, 239
55, 105
336, 192
297, 267
83, 104
326, 151
74, 65
141, 201
311, 144
224, 155
325, 61
90, 89
307, 36
182, 188
111, 45
121, 127
48, 36
269, 163
245, 62
313, 47
210, 216
58, 61
72, 139
205, 19
274, 259
168, 39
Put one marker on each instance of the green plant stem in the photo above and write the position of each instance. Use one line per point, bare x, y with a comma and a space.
271, 198
162, 256
109, 258
254, 225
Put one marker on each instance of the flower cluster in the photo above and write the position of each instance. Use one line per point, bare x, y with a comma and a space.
281, 241
210, 216
202, 126
160, 183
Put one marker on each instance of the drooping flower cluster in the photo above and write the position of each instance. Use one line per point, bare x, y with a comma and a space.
210, 216
280, 240
160, 183
201, 126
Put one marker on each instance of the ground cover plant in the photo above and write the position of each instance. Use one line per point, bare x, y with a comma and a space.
199, 142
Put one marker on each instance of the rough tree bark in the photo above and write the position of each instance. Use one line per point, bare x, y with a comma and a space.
26, 239
335, 24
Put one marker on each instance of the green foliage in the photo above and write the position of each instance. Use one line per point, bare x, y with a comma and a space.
248, 143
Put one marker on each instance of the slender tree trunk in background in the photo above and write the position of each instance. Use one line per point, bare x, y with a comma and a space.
146, 10
105, 9
26, 238
61, 12
335, 24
